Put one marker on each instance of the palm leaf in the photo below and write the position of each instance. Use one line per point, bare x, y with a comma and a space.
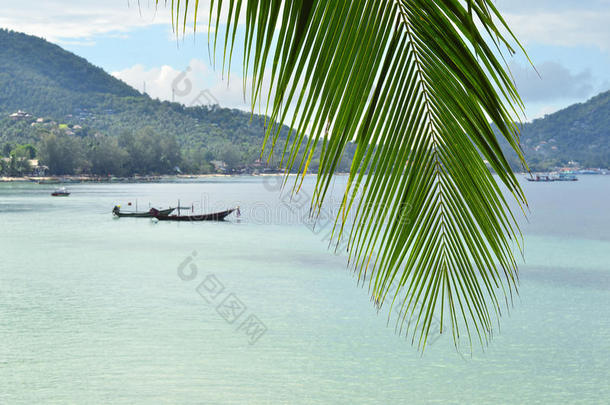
414, 84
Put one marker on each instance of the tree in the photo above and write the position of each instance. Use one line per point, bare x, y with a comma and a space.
196, 160
107, 157
149, 152
27, 151
4, 167
412, 83
230, 156
170, 156
6, 149
61, 153
19, 160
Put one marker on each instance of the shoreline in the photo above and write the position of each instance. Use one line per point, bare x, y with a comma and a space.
48, 180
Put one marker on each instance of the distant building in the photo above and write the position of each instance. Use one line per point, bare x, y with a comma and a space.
219, 166
38, 170
20, 115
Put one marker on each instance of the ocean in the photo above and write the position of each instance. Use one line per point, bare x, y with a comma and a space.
258, 309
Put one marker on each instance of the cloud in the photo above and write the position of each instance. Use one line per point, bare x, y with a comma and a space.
555, 82
77, 19
546, 110
528, 6
525, 6
559, 22
56, 19
68, 42
197, 84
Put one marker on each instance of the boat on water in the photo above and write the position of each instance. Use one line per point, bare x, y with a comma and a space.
215, 216
116, 211
547, 177
566, 177
60, 192
540, 177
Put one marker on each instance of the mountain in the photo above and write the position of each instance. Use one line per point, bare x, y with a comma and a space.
53, 99
77, 118
579, 133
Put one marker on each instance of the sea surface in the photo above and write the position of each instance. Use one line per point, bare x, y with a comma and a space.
96, 310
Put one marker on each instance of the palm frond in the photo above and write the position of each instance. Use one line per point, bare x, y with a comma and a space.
414, 83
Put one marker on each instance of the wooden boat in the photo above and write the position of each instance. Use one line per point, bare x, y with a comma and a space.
60, 192
116, 211
216, 216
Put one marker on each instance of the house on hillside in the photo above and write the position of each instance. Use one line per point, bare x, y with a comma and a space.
38, 170
34, 168
20, 115
219, 166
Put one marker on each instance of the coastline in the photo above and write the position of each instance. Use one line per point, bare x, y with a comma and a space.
49, 180
136, 179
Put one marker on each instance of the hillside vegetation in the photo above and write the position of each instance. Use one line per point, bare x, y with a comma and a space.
579, 133
76, 118
70, 107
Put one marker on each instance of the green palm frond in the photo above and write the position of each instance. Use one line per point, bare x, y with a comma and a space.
414, 83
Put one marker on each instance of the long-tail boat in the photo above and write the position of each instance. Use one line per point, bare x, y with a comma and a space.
216, 216
116, 211
60, 192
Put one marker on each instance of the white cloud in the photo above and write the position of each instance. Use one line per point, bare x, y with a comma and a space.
528, 6
56, 19
544, 110
555, 82
558, 22
574, 27
77, 19
197, 84
69, 42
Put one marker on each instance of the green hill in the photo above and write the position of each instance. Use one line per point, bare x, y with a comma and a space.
579, 133
106, 124
27, 60
79, 119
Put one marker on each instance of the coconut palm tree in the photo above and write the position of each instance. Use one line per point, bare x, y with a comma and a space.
414, 84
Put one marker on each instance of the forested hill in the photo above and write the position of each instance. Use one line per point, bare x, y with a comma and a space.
61, 102
42, 72
579, 133
76, 118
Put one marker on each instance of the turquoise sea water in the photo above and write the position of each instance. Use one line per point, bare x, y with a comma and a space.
93, 310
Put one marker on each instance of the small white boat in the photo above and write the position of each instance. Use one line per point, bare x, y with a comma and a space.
60, 192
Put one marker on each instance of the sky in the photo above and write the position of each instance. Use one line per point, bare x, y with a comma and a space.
568, 42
